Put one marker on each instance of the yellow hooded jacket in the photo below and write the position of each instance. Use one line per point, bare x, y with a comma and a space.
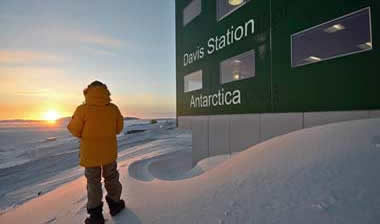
96, 123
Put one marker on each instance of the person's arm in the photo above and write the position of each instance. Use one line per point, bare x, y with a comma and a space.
77, 122
119, 121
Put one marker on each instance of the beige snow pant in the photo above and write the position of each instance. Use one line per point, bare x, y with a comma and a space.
94, 185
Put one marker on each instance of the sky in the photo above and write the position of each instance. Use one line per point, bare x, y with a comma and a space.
50, 50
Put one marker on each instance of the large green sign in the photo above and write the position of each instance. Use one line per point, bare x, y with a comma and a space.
266, 27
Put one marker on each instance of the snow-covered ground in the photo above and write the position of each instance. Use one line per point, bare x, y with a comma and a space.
31, 165
326, 174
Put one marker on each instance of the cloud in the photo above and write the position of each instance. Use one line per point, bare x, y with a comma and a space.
100, 51
27, 57
99, 39
31, 80
58, 37
75, 36
46, 94
34, 92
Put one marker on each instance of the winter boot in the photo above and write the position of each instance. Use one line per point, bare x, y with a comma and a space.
96, 215
115, 207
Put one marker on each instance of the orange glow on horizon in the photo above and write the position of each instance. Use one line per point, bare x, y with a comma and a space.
36, 109
51, 112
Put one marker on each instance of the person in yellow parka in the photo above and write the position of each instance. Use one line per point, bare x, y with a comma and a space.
96, 123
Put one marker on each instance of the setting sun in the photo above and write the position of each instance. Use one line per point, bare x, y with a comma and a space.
51, 116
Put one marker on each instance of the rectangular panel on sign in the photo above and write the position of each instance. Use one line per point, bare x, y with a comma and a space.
237, 68
191, 11
344, 36
226, 7
193, 81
